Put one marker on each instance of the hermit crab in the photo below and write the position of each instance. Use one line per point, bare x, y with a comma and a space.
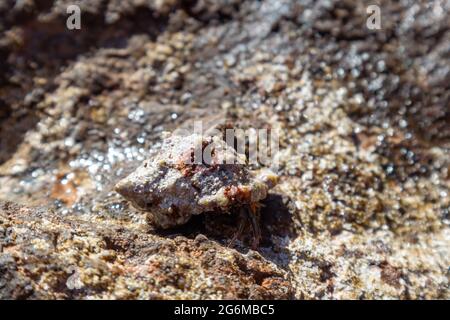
173, 185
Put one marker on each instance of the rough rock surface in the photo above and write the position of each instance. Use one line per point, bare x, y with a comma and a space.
46, 256
362, 206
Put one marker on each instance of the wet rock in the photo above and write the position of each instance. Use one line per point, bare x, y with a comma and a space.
362, 206
73, 258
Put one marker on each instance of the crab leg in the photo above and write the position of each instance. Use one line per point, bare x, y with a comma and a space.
253, 216
242, 220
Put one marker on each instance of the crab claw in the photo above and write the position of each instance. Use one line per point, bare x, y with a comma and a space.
268, 177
